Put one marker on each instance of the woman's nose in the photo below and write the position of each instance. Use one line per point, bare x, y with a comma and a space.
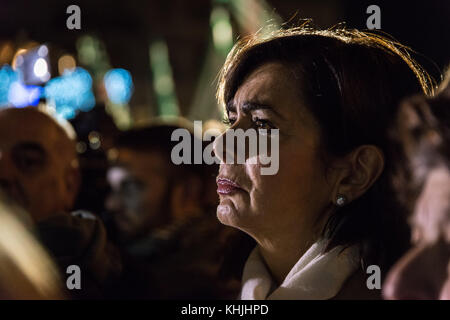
224, 151
236, 144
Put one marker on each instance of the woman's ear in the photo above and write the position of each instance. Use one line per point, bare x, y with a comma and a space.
363, 166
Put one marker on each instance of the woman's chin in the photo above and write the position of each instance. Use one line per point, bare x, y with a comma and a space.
228, 214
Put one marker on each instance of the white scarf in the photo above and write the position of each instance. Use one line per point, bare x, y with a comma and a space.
315, 276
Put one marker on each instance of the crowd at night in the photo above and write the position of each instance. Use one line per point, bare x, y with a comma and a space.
224, 150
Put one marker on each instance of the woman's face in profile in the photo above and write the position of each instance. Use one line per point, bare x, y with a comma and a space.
292, 199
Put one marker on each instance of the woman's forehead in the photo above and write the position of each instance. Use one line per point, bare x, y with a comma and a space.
269, 83
273, 84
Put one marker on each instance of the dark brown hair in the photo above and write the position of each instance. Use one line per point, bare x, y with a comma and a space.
352, 83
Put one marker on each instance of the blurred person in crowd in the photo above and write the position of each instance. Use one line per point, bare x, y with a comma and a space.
422, 181
26, 269
163, 214
329, 211
39, 168
96, 132
39, 171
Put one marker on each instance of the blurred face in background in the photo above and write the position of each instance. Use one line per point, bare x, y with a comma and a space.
37, 163
424, 272
139, 192
424, 186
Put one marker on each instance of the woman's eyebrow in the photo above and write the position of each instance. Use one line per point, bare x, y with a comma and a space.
249, 106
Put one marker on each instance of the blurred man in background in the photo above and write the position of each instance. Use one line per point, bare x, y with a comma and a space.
39, 171
38, 165
164, 214
148, 192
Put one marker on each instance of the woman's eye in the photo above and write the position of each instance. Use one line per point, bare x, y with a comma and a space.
263, 124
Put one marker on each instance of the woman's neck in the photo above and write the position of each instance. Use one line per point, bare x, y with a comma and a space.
282, 252
281, 256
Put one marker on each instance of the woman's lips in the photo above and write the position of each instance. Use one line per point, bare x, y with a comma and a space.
226, 186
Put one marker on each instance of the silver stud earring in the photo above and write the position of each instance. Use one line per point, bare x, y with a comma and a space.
341, 200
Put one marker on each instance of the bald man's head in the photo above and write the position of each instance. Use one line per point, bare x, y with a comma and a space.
38, 166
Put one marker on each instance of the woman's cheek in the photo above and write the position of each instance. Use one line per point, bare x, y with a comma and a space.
264, 195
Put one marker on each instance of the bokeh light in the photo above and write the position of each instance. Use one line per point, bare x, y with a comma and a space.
162, 79
20, 95
221, 29
66, 62
70, 93
14, 93
7, 77
18, 58
6, 52
43, 51
40, 68
118, 85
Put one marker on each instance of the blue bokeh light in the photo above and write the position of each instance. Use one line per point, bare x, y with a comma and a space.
7, 77
118, 85
13, 93
20, 95
71, 92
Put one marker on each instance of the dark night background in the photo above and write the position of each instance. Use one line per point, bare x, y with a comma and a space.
125, 27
